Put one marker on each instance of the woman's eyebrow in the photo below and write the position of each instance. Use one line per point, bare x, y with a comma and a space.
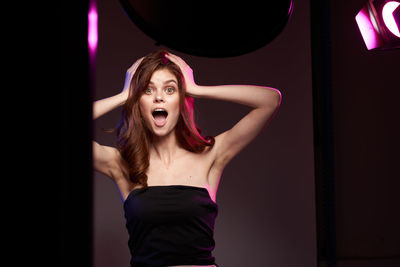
170, 81
165, 82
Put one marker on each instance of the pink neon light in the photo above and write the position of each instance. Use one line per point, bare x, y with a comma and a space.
92, 28
387, 14
368, 32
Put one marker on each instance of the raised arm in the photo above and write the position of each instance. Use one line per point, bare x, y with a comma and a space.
265, 102
106, 159
103, 106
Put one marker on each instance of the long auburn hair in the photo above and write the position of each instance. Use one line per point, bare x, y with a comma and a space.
133, 136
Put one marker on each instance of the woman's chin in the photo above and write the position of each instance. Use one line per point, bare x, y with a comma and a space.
161, 131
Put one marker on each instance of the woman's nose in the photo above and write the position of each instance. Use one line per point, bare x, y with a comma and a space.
158, 98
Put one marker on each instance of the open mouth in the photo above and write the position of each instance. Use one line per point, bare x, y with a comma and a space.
160, 117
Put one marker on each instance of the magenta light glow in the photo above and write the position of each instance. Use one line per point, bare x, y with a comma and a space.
368, 31
387, 14
92, 28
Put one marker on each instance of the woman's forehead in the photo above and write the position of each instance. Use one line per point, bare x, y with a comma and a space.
163, 76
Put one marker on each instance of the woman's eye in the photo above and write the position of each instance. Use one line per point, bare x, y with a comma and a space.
170, 90
148, 91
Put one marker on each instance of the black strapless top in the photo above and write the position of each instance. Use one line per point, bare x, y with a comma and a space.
170, 225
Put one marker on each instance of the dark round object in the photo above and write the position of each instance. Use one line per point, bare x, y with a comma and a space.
216, 28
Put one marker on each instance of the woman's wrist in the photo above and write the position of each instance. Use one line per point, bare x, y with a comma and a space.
194, 91
122, 97
103, 106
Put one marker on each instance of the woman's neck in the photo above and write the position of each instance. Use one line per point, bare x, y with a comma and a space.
165, 148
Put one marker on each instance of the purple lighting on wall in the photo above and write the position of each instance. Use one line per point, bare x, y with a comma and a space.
92, 27
92, 39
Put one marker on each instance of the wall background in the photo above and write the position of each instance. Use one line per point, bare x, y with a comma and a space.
266, 194
365, 86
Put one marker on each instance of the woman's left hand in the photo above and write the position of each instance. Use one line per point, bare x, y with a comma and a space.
191, 86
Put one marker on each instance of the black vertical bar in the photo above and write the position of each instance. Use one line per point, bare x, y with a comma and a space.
75, 138
323, 135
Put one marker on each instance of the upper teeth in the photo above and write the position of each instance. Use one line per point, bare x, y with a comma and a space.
159, 109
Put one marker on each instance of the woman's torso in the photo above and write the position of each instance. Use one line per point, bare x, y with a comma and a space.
193, 169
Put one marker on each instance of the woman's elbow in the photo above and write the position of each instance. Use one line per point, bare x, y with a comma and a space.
276, 98
279, 97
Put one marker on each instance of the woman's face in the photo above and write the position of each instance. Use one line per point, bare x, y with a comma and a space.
159, 103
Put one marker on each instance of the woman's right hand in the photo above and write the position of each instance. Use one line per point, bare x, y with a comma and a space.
129, 74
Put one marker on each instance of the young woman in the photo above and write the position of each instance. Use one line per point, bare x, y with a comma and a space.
167, 173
